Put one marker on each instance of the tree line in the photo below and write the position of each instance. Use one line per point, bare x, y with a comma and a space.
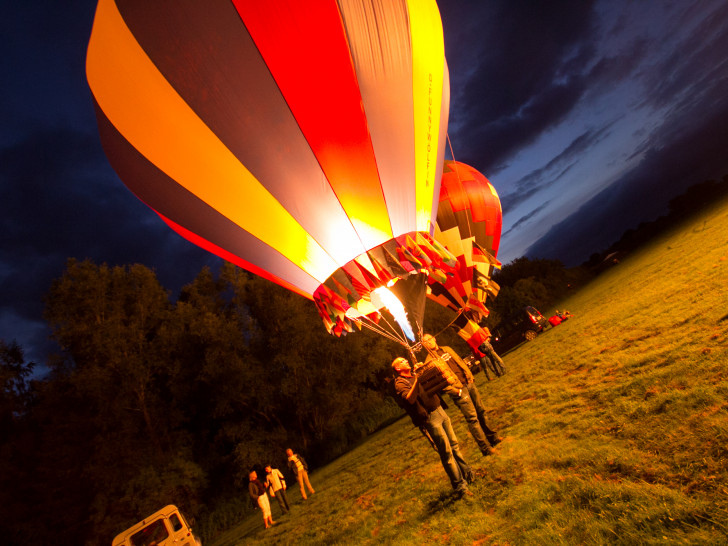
151, 402
680, 209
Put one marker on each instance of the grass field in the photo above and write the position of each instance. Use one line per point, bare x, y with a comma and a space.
615, 426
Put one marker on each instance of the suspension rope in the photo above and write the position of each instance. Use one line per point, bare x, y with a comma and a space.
374, 327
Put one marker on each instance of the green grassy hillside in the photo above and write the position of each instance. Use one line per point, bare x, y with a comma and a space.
616, 427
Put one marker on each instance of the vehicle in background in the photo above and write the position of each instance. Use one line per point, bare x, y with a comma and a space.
165, 527
524, 325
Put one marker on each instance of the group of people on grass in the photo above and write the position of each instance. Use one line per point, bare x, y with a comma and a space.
425, 408
275, 484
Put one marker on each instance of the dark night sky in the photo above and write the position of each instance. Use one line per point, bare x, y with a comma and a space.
587, 117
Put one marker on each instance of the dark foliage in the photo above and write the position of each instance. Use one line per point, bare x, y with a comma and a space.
539, 283
681, 208
153, 402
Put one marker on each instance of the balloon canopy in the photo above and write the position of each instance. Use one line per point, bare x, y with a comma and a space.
469, 223
295, 139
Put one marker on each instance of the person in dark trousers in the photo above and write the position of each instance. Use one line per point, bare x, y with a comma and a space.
464, 393
276, 484
487, 349
432, 417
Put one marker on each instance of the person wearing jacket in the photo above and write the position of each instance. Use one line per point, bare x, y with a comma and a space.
463, 392
276, 484
258, 494
297, 464
487, 350
428, 412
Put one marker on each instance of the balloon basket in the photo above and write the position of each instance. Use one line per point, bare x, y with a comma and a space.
431, 378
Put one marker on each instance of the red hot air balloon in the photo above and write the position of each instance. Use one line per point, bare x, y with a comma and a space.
302, 141
469, 223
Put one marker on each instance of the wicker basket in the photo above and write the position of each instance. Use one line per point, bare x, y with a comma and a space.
431, 378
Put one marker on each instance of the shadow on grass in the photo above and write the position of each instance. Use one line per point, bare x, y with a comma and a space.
440, 503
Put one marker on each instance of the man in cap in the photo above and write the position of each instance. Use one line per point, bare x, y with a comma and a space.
430, 414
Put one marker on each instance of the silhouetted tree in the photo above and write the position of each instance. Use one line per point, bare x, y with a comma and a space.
116, 378
14, 394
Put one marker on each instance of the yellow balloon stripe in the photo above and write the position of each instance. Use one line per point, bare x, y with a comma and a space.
428, 60
150, 114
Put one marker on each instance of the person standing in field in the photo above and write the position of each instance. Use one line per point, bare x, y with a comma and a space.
431, 416
411, 412
487, 349
298, 466
258, 494
464, 393
276, 483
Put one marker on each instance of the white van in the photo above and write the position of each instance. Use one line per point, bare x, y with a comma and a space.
165, 527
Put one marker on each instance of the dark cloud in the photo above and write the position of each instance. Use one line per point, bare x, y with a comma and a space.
516, 69
696, 64
687, 151
523, 220
501, 139
60, 199
44, 44
545, 177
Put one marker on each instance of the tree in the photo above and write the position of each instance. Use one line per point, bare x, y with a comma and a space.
319, 382
531, 282
15, 401
115, 378
152, 402
14, 396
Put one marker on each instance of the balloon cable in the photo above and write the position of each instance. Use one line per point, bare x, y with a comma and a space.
451, 323
374, 327
449, 143
457, 173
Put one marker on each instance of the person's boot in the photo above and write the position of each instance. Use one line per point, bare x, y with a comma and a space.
486, 452
493, 439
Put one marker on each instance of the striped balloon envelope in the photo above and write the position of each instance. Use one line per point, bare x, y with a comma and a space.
469, 224
301, 140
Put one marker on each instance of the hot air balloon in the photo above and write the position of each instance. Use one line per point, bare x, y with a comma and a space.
302, 141
469, 223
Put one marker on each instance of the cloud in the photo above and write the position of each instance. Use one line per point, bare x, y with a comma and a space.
695, 63
543, 178
523, 220
515, 75
685, 151
44, 45
669, 60
61, 199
